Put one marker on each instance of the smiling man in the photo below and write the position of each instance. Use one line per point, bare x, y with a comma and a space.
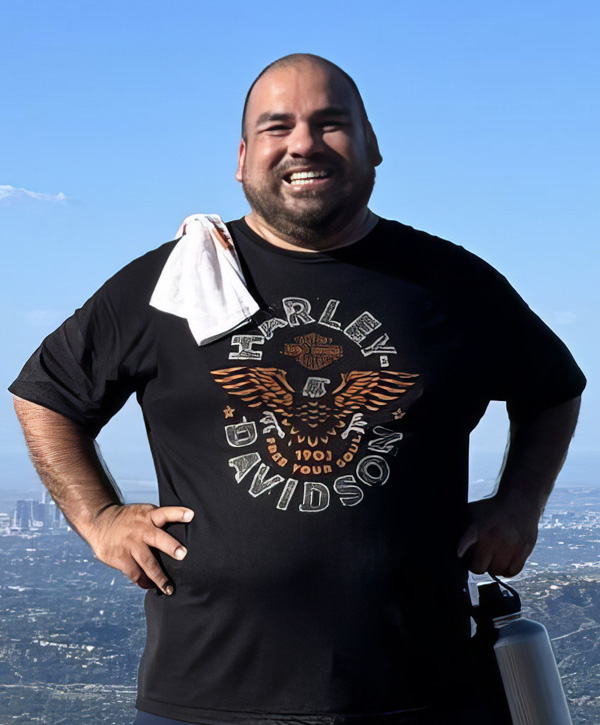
307, 158
308, 562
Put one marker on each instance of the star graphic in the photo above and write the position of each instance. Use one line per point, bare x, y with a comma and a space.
398, 414
229, 411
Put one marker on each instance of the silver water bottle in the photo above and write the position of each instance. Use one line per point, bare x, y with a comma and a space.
525, 659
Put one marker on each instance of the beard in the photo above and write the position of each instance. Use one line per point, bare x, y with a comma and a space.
314, 215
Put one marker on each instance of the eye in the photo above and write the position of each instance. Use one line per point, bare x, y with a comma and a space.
277, 128
332, 125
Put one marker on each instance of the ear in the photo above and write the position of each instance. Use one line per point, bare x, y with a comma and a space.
239, 174
372, 145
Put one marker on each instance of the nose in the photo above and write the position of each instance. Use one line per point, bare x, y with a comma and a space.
305, 140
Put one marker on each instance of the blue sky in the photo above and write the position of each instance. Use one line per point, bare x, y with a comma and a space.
119, 119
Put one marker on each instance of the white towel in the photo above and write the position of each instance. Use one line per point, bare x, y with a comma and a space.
202, 280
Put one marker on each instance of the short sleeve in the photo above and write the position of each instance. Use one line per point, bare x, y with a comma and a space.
528, 366
87, 369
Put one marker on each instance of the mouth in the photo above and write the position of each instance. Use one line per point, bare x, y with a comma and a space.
307, 178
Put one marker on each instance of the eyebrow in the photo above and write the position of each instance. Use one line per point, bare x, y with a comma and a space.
270, 117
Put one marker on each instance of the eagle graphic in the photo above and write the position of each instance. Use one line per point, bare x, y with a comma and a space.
315, 416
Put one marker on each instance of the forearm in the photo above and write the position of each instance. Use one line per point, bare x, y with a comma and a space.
505, 528
535, 455
68, 463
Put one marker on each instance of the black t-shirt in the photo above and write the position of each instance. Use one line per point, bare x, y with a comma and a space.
324, 449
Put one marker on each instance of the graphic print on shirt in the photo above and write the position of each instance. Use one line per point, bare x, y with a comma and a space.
320, 437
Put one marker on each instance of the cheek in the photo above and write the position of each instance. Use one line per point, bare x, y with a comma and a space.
266, 156
344, 149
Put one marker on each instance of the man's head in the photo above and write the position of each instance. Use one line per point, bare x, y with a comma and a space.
308, 153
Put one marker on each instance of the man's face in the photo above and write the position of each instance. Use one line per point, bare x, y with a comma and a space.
308, 161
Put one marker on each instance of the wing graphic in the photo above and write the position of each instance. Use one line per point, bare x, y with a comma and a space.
370, 389
258, 387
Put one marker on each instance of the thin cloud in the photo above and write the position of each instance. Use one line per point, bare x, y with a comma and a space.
565, 317
11, 194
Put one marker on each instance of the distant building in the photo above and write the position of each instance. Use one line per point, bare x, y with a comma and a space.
39, 514
24, 514
4, 524
33, 515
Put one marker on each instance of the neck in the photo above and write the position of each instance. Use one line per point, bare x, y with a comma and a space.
356, 229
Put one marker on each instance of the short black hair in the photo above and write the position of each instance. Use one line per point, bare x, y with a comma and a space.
296, 59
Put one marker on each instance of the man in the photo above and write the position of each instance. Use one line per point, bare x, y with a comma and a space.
308, 561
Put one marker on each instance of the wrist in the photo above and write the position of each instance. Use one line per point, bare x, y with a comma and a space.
86, 523
522, 499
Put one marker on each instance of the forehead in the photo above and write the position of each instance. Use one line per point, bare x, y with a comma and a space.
300, 90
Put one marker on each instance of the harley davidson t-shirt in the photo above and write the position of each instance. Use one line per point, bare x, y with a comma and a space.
324, 449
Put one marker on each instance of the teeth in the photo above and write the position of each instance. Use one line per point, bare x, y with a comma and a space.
304, 177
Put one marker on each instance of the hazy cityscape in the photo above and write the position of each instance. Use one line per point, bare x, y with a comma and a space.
73, 629
30, 516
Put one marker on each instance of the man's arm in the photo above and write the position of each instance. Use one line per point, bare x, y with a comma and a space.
505, 527
68, 462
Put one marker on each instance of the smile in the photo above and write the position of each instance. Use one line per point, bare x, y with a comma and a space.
300, 178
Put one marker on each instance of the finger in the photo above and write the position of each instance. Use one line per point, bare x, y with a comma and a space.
510, 557
170, 514
468, 539
144, 583
159, 539
151, 568
515, 565
499, 564
480, 559
137, 576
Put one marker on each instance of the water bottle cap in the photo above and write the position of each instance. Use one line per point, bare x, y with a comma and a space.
498, 600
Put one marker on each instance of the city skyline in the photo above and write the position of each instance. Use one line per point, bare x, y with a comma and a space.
31, 515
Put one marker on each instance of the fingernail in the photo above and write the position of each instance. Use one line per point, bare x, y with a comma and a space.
168, 590
180, 553
188, 515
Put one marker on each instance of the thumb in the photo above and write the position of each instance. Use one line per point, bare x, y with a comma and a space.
467, 540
